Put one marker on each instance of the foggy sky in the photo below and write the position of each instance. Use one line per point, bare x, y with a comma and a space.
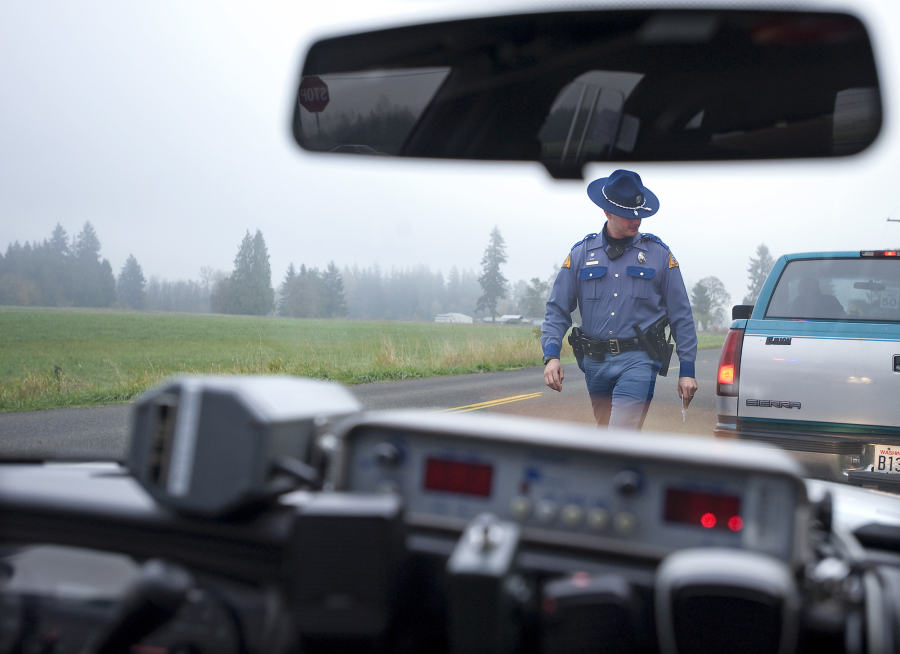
166, 124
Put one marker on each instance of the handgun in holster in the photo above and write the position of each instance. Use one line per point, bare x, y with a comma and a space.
577, 346
654, 343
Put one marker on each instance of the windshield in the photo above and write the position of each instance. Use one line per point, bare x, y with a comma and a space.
158, 218
855, 290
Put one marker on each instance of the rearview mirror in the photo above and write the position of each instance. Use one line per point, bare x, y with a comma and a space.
565, 88
869, 286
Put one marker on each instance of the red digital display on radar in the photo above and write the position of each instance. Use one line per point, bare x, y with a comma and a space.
705, 510
458, 477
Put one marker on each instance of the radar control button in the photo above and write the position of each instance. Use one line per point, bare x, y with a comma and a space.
388, 455
545, 511
520, 507
627, 482
571, 515
598, 519
625, 523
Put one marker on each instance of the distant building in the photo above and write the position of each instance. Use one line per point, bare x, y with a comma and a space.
460, 318
510, 318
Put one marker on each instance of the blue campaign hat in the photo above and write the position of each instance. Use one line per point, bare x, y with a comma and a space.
623, 194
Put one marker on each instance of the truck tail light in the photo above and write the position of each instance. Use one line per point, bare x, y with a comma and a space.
730, 364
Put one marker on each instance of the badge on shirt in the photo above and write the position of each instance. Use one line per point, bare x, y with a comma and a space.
642, 258
673, 263
568, 262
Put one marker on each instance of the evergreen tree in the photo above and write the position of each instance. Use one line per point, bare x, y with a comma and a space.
535, 299
54, 274
758, 271
93, 282
130, 285
55, 277
334, 305
492, 282
59, 241
250, 291
283, 289
289, 275
303, 295
87, 244
107, 284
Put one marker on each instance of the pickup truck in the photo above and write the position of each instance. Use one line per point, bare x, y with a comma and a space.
814, 366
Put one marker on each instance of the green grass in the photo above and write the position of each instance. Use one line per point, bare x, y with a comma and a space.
52, 358
713, 341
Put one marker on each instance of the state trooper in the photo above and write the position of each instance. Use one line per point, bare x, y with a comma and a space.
628, 287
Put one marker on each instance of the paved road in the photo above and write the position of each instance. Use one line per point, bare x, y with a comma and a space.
102, 432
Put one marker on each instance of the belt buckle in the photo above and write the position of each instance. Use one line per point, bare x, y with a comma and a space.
614, 346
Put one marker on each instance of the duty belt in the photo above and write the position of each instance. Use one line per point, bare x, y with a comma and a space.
595, 348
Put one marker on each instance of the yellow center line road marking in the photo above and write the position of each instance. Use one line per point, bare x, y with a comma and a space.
487, 405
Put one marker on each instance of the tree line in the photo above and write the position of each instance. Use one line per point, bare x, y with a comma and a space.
60, 271
69, 272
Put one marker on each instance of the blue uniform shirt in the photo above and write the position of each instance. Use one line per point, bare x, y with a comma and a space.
614, 295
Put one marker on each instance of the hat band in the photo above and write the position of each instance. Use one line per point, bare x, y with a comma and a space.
622, 206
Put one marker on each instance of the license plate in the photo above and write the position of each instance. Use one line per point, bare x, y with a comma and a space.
886, 459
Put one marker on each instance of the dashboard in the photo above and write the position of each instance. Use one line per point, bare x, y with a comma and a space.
623, 494
413, 532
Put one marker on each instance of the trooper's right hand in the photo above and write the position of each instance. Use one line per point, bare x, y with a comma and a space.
553, 374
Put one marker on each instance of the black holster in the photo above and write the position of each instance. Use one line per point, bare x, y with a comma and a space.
577, 345
656, 333
653, 342
667, 350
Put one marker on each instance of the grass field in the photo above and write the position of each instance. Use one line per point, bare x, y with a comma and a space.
53, 358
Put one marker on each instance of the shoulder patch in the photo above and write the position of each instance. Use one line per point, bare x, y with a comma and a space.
673, 262
568, 262
651, 237
592, 235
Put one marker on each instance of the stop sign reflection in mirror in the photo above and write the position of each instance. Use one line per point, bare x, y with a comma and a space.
313, 95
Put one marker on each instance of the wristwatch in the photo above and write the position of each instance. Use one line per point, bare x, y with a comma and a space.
547, 358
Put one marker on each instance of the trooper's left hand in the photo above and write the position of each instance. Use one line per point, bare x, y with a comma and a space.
687, 386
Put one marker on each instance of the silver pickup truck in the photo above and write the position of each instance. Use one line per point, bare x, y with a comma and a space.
814, 366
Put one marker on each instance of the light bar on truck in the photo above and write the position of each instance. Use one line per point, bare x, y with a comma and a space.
878, 253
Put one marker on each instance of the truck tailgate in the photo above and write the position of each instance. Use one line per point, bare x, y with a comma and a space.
812, 371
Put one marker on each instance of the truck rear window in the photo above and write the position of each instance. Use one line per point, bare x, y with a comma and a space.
857, 290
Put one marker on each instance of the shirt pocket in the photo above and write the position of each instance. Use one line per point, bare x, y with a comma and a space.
641, 284
590, 277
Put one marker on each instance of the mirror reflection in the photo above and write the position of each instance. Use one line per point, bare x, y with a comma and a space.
570, 87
